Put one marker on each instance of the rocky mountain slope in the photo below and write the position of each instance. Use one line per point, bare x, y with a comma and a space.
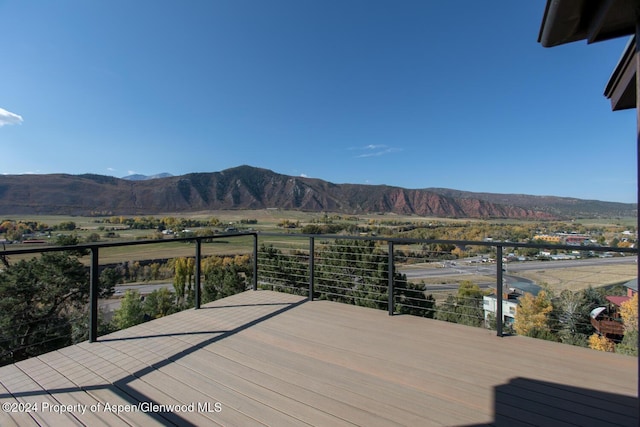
248, 187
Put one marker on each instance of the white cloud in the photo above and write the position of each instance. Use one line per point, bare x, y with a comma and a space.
367, 147
9, 118
374, 150
304, 175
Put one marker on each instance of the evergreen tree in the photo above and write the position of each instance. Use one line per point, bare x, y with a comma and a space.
284, 273
411, 299
42, 297
354, 272
447, 310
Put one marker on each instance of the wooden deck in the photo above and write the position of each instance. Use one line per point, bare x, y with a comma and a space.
266, 358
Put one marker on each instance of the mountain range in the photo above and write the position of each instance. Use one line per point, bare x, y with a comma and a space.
247, 187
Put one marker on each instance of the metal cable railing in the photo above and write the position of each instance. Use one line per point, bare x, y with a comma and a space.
471, 282
339, 270
26, 332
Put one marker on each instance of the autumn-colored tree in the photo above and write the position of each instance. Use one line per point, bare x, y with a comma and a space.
180, 280
170, 223
598, 342
532, 315
183, 281
629, 314
458, 252
6, 225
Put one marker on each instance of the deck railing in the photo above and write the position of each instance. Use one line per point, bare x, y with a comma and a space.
608, 327
94, 249
308, 266
364, 270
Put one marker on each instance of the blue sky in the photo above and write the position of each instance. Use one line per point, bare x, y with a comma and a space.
417, 94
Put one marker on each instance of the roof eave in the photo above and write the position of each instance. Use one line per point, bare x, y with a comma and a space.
560, 23
621, 87
566, 21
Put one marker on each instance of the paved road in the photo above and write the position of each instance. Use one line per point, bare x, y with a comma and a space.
547, 265
458, 268
143, 288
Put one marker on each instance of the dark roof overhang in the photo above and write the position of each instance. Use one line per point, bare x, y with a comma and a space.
621, 87
567, 21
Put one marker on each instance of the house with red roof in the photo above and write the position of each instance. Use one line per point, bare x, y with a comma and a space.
607, 320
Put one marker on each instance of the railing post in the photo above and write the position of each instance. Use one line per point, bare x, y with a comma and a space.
198, 273
499, 291
391, 270
311, 266
94, 290
255, 262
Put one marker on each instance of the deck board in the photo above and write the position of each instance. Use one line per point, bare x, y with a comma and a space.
269, 358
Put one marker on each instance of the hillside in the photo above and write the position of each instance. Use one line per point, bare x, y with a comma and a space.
565, 207
248, 187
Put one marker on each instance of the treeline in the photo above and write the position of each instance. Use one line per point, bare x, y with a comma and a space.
167, 223
18, 230
523, 231
164, 223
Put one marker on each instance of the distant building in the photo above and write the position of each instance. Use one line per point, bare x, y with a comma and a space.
564, 238
632, 287
576, 239
607, 322
547, 238
510, 301
509, 307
